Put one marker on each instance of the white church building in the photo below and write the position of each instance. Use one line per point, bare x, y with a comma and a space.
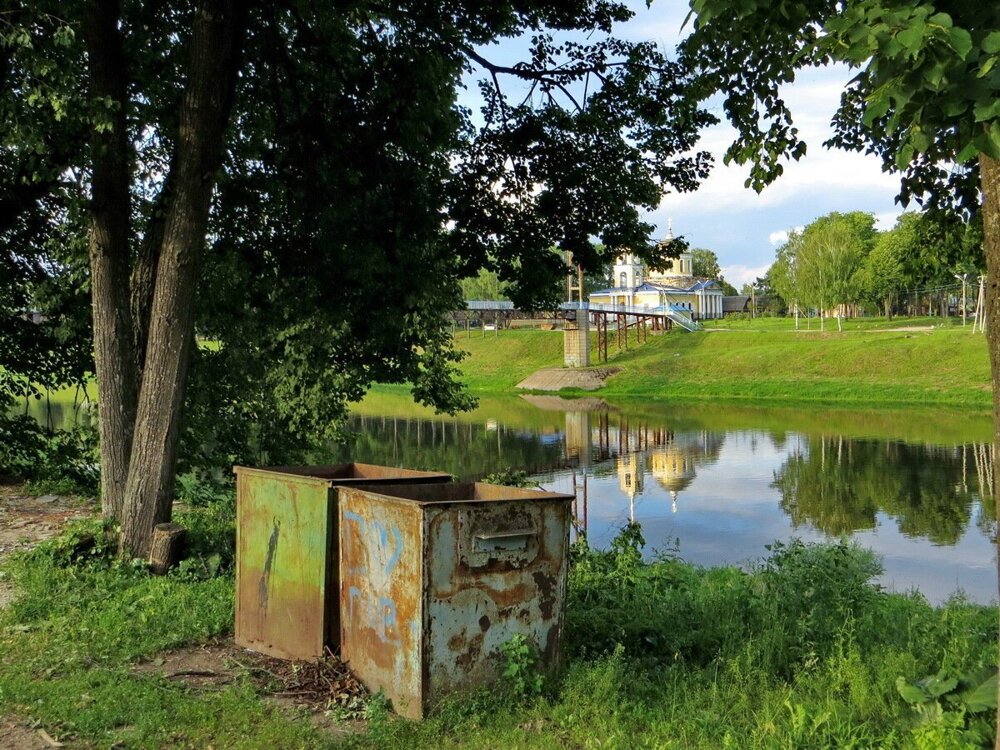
674, 288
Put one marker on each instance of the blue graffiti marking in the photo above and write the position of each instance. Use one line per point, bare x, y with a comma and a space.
397, 545
356, 570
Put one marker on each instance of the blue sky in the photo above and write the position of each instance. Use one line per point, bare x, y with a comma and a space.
744, 228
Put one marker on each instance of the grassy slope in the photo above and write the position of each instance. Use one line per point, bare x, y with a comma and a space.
946, 366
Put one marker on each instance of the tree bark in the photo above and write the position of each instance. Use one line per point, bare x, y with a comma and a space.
143, 280
216, 46
166, 547
990, 180
110, 209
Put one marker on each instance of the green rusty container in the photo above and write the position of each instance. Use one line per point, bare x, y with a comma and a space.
287, 589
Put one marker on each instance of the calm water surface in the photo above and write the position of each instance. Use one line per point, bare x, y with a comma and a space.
718, 484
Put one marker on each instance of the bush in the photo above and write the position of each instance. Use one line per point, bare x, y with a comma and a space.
60, 461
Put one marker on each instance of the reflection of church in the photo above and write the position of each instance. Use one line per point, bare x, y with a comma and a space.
631, 470
673, 470
672, 463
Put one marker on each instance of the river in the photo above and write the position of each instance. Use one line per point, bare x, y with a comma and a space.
717, 484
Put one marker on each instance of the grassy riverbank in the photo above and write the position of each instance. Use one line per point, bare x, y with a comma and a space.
801, 652
946, 366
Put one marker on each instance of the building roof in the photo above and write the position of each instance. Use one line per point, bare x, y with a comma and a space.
684, 284
737, 303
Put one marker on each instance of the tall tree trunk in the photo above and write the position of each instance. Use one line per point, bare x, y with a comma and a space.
216, 45
990, 180
109, 254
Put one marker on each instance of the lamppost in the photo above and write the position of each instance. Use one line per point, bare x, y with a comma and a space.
962, 277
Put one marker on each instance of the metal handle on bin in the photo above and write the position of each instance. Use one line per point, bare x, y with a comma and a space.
502, 541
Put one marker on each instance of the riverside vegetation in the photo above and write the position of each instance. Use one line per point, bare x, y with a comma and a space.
802, 651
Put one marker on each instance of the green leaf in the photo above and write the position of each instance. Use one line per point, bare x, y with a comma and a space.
968, 152
987, 111
961, 41
876, 108
913, 36
983, 697
940, 19
991, 44
937, 686
904, 156
910, 693
955, 107
920, 139
987, 66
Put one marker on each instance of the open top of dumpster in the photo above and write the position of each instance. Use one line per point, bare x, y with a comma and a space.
462, 492
351, 473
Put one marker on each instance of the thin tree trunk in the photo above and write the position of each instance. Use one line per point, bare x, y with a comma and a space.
216, 45
109, 254
143, 280
990, 180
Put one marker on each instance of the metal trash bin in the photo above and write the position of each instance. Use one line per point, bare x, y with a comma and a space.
287, 597
434, 579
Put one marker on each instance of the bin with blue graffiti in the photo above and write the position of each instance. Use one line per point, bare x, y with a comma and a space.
434, 579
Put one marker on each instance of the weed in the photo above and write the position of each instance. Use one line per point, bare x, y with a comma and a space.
510, 478
521, 666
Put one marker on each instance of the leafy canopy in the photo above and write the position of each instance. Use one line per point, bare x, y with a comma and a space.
355, 191
924, 96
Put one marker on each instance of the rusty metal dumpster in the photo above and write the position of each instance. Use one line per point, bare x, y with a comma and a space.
434, 579
287, 597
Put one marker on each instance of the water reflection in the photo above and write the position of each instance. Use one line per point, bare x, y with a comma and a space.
840, 486
719, 494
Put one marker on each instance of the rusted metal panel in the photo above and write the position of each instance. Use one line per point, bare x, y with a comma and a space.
381, 603
287, 592
496, 570
434, 579
284, 525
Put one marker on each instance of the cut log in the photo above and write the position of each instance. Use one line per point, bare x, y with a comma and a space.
167, 547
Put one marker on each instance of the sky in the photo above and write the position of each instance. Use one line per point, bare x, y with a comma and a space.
744, 228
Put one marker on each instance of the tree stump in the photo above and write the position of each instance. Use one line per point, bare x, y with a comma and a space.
167, 547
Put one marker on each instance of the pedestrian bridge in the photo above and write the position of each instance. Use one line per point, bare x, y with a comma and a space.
609, 321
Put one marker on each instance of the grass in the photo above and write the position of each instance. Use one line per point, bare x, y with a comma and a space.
803, 652
947, 366
497, 363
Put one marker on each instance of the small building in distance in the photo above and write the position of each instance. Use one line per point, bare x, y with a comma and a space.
673, 288
739, 303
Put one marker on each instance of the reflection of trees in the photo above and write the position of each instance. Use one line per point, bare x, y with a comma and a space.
838, 486
468, 451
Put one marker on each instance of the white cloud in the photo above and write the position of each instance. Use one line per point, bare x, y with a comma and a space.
780, 237
886, 221
739, 274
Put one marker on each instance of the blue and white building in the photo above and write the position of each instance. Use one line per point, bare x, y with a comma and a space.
673, 288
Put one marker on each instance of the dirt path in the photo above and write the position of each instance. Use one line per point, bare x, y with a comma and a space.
27, 520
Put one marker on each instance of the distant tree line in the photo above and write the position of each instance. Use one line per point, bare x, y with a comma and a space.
841, 265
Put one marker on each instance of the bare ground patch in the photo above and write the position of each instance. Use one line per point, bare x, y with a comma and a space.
325, 693
555, 379
26, 520
20, 735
